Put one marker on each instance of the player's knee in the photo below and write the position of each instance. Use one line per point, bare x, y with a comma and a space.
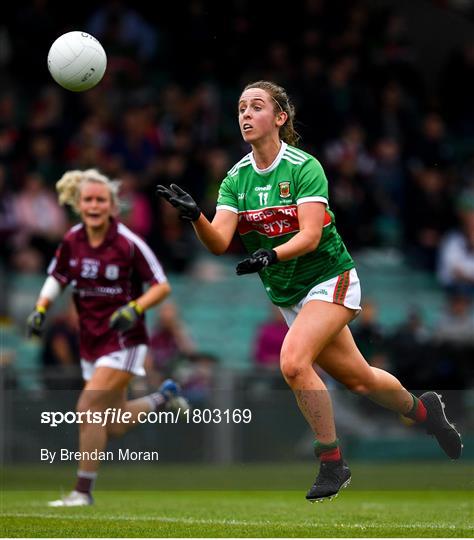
116, 429
92, 401
291, 369
83, 405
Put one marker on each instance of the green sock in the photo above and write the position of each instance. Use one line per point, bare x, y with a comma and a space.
418, 411
320, 447
412, 411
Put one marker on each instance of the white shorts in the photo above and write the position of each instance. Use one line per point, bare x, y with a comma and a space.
343, 289
131, 360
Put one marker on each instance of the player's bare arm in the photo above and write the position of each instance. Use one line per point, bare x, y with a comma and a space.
311, 219
153, 296
216, 236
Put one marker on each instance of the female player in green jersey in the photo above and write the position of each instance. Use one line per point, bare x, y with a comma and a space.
277, 199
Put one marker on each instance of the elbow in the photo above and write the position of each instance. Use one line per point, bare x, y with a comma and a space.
165, 289
313, 243
218, 250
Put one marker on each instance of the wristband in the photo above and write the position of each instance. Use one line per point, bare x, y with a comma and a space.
133, 304
51, 289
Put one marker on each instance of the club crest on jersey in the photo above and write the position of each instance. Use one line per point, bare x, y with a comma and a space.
111, 271
284, 189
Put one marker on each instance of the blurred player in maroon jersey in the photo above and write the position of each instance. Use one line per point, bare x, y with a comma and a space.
106, 265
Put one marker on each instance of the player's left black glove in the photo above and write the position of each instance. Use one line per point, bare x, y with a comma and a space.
186, 205
257, 261
126, 317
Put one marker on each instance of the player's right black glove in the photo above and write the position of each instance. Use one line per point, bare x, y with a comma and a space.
35, 322
126, 317
186, 205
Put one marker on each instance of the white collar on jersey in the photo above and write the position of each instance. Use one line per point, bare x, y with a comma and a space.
275, 163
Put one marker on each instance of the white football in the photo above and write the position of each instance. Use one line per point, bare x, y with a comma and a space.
77, 61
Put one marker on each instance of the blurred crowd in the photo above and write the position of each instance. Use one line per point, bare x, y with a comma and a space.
398, 152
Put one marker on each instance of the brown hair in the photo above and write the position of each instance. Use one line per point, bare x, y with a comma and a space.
281, 102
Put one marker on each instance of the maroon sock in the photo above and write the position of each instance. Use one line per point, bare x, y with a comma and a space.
85, 482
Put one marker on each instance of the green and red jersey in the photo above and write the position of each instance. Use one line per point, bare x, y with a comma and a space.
266, 201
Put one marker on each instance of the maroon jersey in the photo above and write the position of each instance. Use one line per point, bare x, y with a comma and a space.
103, 279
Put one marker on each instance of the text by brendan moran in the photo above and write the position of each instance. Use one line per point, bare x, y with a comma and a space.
126, 454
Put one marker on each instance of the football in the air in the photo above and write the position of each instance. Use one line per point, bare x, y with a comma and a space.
77, 61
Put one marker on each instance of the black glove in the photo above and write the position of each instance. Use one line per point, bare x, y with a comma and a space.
126, 317
188, 209
257, 261
35, 322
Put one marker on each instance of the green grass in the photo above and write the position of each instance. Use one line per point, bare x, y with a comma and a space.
207, 512
242, 514
283, 476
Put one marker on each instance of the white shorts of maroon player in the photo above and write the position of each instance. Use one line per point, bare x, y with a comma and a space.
343, 289
131, 360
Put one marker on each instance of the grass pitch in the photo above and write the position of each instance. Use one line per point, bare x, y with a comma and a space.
243, 512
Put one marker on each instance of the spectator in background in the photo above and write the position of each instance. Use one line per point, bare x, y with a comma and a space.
350, 145
432, 147
60, 355
123, 31
355, 204
10, 134
174, 245
87, 147
340, 99
41, 220
169, 342
135, 206
368, 335
411, 345
454, 341
46, 114
457, 89
134, 144
206, 109
27, 260
196, 376
456, 324
42, 158
413, 329
174, 111
34, 27
217, 165
396, 115
8, 219
268, 341
394, 54
429, 214
389, 184
456, 253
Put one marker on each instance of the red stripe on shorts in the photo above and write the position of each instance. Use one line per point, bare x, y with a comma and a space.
342, 286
